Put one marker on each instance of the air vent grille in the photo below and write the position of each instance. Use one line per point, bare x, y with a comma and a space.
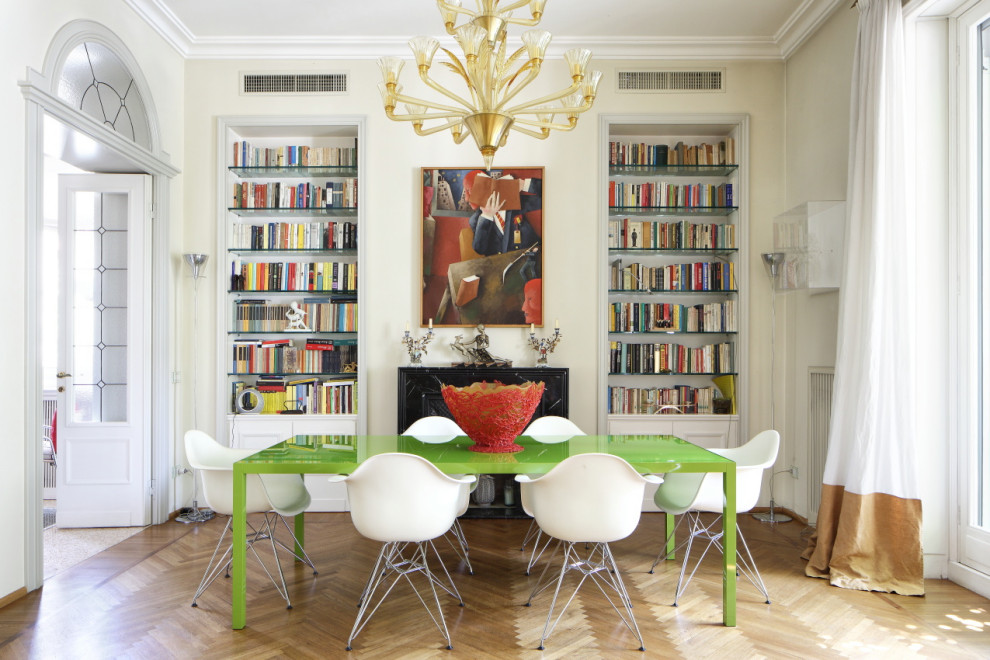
671, 81
294, 83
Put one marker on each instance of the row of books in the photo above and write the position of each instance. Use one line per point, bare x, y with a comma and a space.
319, 315
311, 395
671, 358
293, 276
681, 399
246, 155
295, 236
278, 195
661, 194
281, 356
698, 276
669, 317
681, 235
641, 153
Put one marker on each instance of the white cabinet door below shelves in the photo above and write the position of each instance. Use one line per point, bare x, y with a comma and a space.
260, 432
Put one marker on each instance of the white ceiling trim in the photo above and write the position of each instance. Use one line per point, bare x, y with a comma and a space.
801, 25
805, 22
161, 19
360, 48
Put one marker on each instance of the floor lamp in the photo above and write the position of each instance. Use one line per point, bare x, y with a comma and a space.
772, 262
196, 263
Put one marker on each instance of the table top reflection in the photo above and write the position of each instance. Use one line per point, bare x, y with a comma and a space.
343, 453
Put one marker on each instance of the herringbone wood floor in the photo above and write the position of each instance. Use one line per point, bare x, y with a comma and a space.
132, 601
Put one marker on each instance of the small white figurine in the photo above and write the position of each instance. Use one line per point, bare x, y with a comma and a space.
295, 318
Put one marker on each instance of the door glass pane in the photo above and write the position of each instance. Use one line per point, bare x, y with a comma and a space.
99, 308
980, 494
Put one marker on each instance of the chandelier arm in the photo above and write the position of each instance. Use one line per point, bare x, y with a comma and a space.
436, 129
433, 104
423, 116
514, 6
534, 71
539, 135
546, 99
543, 124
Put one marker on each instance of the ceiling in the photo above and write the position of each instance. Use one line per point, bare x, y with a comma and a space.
620, 29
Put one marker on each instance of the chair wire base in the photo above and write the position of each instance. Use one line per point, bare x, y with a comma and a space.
712, 532
220, 562
391, 565
598, 565
459, 544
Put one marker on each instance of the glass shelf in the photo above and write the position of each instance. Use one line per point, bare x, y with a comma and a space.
645, 250
337, 295
674, 373
672, 332
295, 170
297, 252
308, 211
711, 211
336, 374
293, 333
633, 292
671, 170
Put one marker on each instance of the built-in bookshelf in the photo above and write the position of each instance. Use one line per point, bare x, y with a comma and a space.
290, 349
673, 219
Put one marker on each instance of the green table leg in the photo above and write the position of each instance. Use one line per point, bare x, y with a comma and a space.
671, 523
729, 548
300, 529
239, 554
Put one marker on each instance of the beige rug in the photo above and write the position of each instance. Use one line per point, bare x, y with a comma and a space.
64, 548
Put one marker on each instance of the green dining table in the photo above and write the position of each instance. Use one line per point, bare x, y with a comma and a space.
341, 454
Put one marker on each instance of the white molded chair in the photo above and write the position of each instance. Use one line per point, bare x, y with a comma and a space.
404, 502
548, 429
274, 495
436, 429
692, 494
588, 499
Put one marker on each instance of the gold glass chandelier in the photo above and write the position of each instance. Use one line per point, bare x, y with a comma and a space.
493, 77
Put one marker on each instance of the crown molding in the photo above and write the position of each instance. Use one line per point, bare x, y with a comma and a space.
805, 20
803, 23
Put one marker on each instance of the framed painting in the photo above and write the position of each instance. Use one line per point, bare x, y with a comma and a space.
482, 246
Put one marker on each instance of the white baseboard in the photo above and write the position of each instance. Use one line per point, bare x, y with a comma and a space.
966, 577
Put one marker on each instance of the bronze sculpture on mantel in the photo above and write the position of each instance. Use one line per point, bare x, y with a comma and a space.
476, 352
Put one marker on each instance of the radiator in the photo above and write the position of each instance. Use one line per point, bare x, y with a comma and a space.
819, 419
47, 413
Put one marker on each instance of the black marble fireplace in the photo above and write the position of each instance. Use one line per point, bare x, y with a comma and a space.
419, 396
419, 388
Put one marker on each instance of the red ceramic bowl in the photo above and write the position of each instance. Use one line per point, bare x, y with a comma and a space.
492, 414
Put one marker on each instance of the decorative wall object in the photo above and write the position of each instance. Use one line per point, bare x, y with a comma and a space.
482, 247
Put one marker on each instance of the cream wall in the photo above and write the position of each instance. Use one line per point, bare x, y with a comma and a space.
393, 158
24, 44
817, 84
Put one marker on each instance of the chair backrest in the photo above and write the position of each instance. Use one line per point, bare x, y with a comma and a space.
588, 497
434, 429
551, 428
215, 464
751, 460
402, 497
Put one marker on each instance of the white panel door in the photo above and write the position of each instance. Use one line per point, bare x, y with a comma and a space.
104, 399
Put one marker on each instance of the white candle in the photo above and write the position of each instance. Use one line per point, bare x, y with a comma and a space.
407, 326
431, 324
532, 328
556, 323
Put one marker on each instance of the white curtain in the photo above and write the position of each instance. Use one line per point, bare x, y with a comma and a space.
869, 524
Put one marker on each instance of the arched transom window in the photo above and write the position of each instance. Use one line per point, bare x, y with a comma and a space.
96, 81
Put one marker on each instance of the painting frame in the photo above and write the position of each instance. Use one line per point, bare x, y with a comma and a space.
482, 246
